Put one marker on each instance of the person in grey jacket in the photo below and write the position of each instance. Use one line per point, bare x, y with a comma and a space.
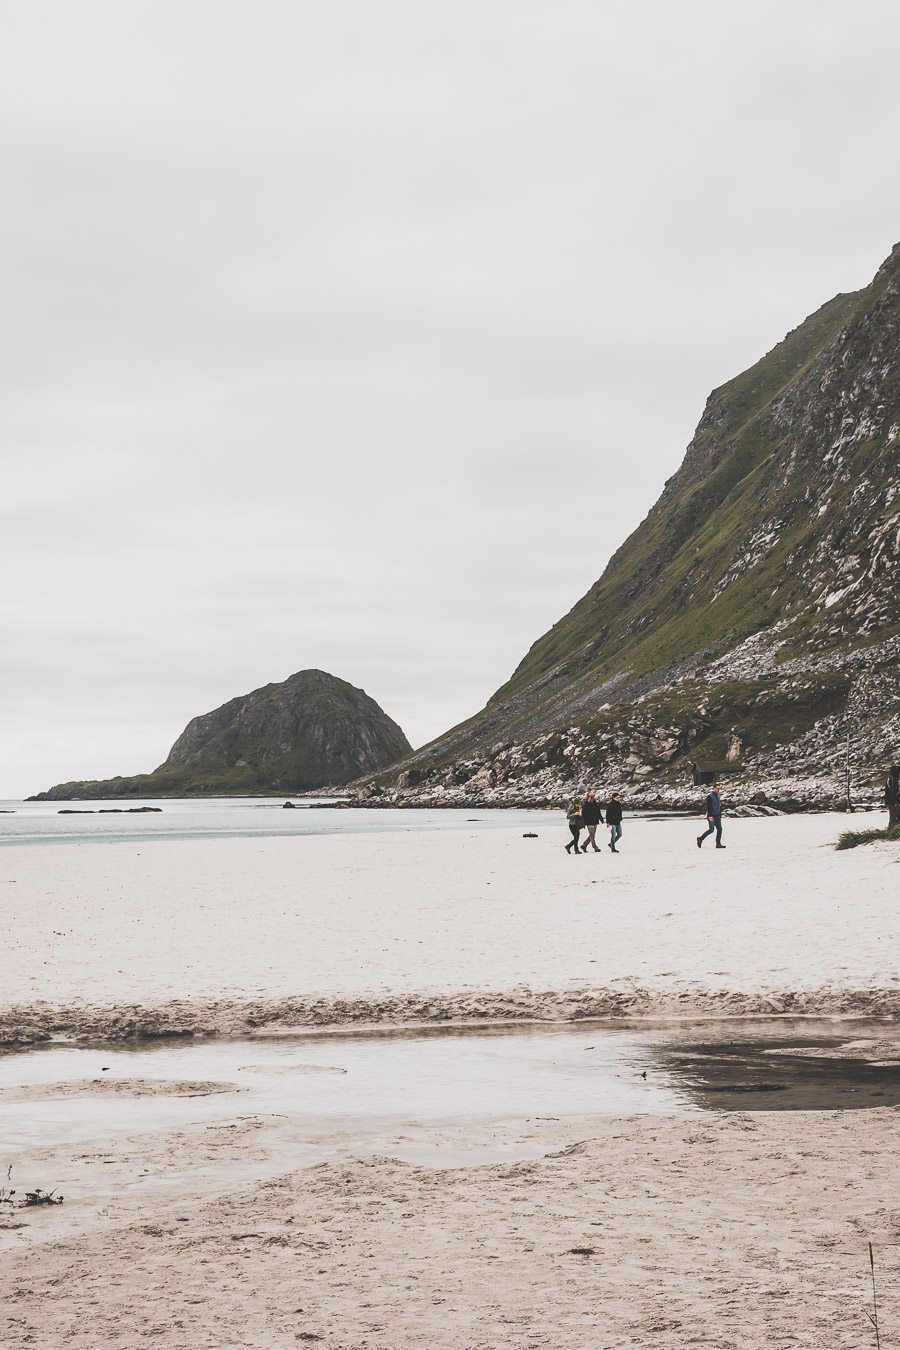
714, 816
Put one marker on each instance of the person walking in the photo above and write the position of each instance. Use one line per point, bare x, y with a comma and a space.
714, 816
892, 795
591, 816
614, 821
573, 816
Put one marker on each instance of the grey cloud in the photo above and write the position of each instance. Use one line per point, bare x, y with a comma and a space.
360, 335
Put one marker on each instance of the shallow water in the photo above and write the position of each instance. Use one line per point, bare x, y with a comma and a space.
188, 818
449, 1078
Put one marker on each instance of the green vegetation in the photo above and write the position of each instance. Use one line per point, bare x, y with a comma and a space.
853, 838
779, 506
692, 535
694, 720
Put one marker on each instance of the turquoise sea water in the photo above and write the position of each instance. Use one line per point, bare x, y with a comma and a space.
187, 818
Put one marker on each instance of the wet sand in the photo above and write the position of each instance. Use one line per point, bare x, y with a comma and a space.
743, 1231
106, 1087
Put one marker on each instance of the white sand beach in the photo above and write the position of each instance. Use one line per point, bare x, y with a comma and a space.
732, 1230
448, 924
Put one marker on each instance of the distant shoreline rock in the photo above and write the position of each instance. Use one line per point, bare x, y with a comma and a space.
107, 810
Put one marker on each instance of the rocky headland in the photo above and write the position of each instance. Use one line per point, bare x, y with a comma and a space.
295, 736
750, 626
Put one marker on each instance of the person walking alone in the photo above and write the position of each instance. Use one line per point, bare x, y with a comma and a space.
614, 821
892, 795
714, 816
591, 816
573, 816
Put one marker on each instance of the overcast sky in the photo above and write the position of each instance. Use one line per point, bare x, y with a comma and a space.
357, 334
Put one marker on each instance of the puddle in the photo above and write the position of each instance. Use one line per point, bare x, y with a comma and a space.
359, 1084
353, 1084
441, 1096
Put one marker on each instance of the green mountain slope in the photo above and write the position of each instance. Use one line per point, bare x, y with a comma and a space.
779, 529
311, 730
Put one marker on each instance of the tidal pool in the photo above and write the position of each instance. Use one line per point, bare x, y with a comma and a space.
360, 1085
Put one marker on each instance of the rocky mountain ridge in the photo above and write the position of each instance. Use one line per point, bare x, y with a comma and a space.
750, 624
310, 730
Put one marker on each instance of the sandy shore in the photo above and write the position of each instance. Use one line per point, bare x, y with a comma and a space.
727, 1230
104, 1087
119, 938
739, 1232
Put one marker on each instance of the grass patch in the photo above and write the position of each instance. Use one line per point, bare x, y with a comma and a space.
853, 838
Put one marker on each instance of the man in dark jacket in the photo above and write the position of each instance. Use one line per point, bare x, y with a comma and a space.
714, 816
892, 795
573, 817
614, 820
592, 816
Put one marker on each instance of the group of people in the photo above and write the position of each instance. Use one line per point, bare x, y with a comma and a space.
587, 815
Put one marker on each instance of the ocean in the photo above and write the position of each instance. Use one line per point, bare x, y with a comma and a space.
111, 822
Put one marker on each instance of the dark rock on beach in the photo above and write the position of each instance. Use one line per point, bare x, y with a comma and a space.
119, 810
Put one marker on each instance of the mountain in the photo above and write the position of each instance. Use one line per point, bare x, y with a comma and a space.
749, 624
311, 730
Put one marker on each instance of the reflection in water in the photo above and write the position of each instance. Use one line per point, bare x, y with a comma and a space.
745, 1079
745, 1076
448, 1077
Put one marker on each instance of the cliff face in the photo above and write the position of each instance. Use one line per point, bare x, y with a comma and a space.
751, 620
309, 731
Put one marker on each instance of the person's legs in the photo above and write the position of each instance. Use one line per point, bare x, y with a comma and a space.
707, 833
591, 831
717, 821
576, 829
615, 834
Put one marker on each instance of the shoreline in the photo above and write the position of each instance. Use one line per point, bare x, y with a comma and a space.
228, 935
229, 1225
38, 1024
688, 803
